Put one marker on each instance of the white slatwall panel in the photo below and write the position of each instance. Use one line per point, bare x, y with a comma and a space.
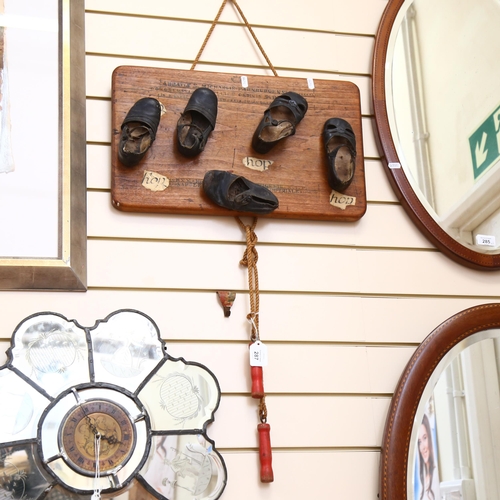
367, 415
189, 265
343, 306
334, 15
103, 65
164, 38
339, 474
376, 228
298, 317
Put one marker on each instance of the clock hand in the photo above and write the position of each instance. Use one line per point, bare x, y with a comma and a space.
110, 439
91, 424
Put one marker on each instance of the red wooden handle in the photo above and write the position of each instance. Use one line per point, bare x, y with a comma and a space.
257, 382
265, 455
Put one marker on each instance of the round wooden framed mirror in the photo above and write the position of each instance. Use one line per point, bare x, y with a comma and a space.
437, 111
452, 378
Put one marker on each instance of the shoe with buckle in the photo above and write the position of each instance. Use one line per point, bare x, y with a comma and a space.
279, 121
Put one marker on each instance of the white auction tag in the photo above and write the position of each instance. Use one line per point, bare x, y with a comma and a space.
258, 354
485, 240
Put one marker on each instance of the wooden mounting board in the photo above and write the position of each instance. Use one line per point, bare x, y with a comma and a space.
297, 175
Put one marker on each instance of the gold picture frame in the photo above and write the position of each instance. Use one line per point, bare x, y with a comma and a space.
66, 271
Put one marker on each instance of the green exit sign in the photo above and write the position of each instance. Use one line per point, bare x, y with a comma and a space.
485, 144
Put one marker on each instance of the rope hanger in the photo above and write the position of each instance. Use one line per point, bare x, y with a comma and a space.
212, 27
249, 260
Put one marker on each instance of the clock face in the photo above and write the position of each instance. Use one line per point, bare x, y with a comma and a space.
89, 419
85, 418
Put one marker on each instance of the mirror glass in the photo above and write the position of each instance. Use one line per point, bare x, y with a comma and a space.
442, 434
455, 441
439, 84
105, 409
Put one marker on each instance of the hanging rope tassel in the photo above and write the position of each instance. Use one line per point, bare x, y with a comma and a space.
250, 258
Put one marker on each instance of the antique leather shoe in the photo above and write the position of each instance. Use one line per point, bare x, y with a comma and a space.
237, 193
138, 130
196, 122
279, 121
340, 146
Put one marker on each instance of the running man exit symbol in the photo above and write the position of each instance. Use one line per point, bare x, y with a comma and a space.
485, 144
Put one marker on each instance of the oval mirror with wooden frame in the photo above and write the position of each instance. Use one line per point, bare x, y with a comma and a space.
452, 380
437, 111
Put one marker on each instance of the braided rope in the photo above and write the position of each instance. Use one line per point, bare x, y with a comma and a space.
247, 24
215, 21
255, 38
250, 258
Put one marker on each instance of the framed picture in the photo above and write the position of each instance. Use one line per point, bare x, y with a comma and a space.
43, 240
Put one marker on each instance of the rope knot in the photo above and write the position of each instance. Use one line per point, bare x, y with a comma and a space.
250, 257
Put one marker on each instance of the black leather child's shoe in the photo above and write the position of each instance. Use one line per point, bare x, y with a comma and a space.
237, 193
138, 131
279, 121
340, 146
196, 122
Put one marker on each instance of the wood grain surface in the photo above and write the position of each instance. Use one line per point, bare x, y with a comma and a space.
297, 175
